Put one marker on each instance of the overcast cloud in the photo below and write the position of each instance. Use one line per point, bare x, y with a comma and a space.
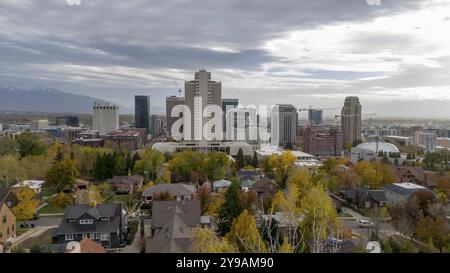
396, 56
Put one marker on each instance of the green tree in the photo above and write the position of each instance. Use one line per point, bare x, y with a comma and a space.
255, 162
436, 230
10, 170
215, 166
62, 174
230, 209
30, 144
62, 201
8, 146
149, 164
240, 159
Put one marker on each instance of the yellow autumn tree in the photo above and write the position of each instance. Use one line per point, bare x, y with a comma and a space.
319, 218
27, 205
205, 240
245, 235
301, 177
286, 247
281, 164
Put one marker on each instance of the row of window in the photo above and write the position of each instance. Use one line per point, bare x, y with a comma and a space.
92, 236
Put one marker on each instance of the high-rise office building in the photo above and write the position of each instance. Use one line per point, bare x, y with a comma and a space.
322, 141
171, 102
315, 116
157, 123
199, 93
142, 112
72, 121
284, 125
242, 124
105, 118
351, 120
228, 104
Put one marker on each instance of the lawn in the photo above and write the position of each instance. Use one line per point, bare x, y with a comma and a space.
133, 226
50, 209
21, 231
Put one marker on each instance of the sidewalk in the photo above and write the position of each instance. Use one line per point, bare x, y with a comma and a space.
354, 214
35, 232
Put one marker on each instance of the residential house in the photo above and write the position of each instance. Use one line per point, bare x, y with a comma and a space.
126, 184
172, 225
363, 197
247, 185
35, 185
7, 224
8, 197
105, 224
84, 246
221, 184
178, 191
400, 192
265, 188
252, 174
416, 175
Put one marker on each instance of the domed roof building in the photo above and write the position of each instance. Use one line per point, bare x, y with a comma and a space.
369, 151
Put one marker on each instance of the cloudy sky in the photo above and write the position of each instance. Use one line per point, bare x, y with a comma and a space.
394, 56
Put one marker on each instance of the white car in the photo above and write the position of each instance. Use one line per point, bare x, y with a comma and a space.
365, 224
334, 240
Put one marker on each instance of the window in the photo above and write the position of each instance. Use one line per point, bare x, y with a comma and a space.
104, 219
4, 219
92, 236
104, 237
97, 236
85, 222
69, 237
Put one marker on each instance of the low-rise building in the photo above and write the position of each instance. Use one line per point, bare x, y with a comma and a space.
104, 223
228, 147
126, 184
400, 192
370, 151
178, 191
130, 139
35, 185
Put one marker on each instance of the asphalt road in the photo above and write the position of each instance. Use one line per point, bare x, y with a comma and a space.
44, 222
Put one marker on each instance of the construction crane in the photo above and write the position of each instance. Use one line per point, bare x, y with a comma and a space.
368, 114
178, 88
300, 109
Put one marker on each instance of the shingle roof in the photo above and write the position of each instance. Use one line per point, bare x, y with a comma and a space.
187, 211
173, 189
112, 211
4, 192
174, 221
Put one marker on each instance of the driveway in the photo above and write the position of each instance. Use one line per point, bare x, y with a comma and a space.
44, 221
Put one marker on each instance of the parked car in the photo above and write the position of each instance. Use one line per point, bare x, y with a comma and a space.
365, 224
333, 240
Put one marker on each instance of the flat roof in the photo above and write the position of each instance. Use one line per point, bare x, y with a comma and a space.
409, 186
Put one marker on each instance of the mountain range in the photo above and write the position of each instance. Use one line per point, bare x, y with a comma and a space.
44, 100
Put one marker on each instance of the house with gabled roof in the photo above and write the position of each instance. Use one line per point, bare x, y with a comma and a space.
172, 226
178, 191
8, 197
105, 224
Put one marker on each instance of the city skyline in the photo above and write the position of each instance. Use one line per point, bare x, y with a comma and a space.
395, 56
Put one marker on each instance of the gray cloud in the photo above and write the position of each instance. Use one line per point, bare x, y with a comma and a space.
113, 49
